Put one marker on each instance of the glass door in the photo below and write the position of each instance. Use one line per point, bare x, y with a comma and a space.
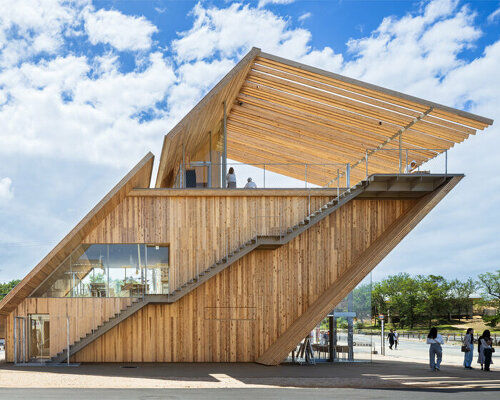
39, 337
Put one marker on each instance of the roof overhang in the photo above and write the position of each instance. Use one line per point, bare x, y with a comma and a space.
281, 111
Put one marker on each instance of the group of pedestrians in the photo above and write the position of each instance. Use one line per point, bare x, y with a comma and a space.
484, 347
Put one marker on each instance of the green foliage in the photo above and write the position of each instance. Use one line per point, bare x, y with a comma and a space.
490, 283
97, 278
421, 298
7, 287
492, 320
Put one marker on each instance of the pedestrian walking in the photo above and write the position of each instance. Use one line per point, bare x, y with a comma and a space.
435, 350
396, 339
391, 337
468, 348
485, 350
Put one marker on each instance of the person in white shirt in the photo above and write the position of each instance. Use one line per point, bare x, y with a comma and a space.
435, 350
410, 167
231, 179
250, 184
469, 348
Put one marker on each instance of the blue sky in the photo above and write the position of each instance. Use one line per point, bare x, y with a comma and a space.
88, 87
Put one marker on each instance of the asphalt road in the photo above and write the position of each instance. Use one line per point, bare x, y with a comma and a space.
208, 394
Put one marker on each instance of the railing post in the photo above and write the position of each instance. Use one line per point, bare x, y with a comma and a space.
406, 164
400, 152
305, 175
67, 338
348, 175
16, 340
264, 176
366, 163
446, 162
338, 182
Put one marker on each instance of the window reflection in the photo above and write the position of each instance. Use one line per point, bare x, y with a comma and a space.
110, 270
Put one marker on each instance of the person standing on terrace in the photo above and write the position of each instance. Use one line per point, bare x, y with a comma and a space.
231, 179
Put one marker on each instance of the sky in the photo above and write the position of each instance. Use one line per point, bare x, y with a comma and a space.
87, 88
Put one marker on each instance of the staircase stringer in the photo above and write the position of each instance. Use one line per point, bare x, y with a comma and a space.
360, 267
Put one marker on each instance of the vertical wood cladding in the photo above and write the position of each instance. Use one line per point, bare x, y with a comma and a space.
239, 313
84, 315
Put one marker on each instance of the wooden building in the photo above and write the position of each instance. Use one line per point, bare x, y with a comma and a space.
191, 271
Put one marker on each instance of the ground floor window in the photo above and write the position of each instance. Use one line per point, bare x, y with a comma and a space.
110, 270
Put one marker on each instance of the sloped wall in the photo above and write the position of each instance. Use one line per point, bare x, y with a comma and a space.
238, 314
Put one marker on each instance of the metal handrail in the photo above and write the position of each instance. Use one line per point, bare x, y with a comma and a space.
264, 167
370, 153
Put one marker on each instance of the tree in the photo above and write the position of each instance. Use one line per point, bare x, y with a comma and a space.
398, 295
460, 295
435, 290
490, 283
7, 287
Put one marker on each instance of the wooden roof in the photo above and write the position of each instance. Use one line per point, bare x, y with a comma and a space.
138, 177
280, 111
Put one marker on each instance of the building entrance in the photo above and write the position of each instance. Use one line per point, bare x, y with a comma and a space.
39, 337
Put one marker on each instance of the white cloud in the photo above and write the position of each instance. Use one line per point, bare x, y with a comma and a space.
263, 3
120, 31
230, 32
55, 107
6, 192
305, 16
493, 16
40, 26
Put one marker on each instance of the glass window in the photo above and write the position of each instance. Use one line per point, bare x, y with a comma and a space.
110, 270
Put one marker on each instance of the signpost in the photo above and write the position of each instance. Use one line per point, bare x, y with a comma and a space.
382, 336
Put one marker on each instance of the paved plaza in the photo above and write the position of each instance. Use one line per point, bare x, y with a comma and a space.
400, 374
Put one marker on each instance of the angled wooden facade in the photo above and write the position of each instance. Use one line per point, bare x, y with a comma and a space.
250, 272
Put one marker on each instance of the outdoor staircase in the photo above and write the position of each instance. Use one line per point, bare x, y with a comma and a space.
257, 243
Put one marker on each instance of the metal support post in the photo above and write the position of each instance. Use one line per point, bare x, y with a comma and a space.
348, 175
338, 183
210, 159
305, 174
366, 163
400, 153
67, 338
406, 163
183, 169
24, 339
224, 150
330, 338
382, 341
350, 327
446, 162
264, 176
16, 339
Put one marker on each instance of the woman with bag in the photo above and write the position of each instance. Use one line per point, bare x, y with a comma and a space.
485, 350
435, 350
468, 348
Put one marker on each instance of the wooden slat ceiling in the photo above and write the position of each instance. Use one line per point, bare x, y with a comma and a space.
286, 112
138, 177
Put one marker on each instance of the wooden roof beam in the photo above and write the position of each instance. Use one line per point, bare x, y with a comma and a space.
448, 113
